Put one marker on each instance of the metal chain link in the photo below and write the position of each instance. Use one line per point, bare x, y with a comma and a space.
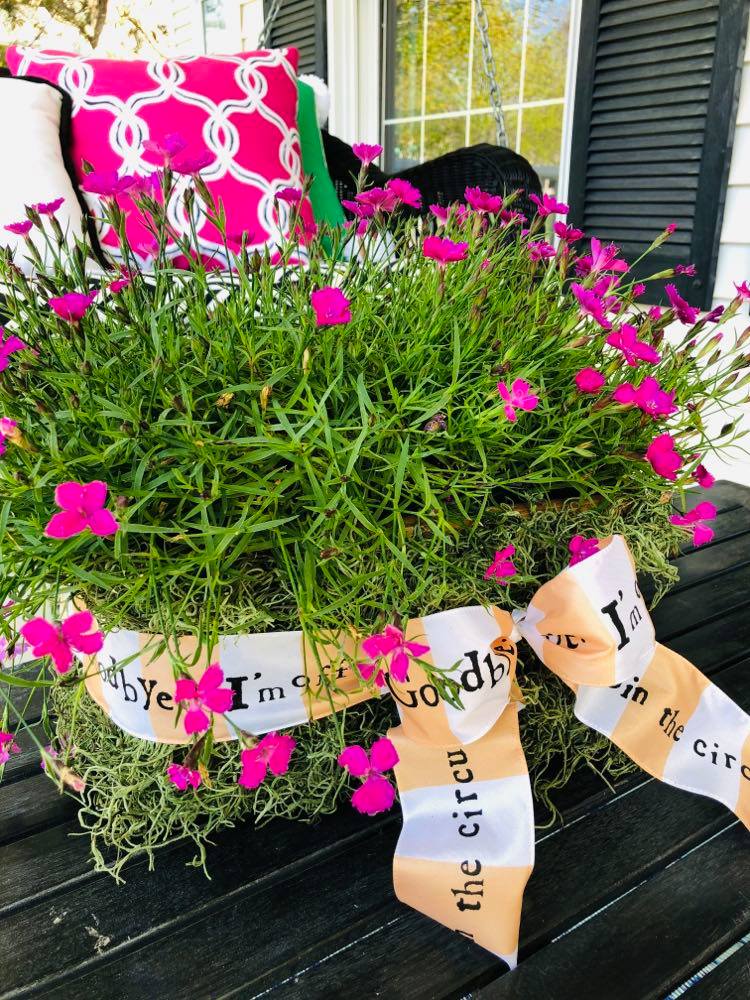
490, 71
268, 20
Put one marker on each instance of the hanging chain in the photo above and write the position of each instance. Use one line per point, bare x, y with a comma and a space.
265, 32
490, 71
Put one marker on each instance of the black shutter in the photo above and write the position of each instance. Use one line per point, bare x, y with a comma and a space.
656, 99
302, 24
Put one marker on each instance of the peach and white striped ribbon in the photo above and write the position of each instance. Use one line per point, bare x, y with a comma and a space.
466, 849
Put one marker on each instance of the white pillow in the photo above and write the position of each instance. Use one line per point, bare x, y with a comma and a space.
32, 168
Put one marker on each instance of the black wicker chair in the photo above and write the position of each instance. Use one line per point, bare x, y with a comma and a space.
443, 180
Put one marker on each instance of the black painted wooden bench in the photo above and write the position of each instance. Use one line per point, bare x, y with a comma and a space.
637, 891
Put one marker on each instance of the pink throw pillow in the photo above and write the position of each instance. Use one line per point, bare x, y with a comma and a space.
239, 112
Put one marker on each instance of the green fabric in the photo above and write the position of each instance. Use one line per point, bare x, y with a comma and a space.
325, 203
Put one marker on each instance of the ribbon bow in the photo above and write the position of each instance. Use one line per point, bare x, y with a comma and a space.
466, 849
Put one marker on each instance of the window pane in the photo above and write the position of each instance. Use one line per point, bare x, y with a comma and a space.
546, 49
448, 31
401, 146
505, 20
443, 135
541, 132
404, 58
483, 129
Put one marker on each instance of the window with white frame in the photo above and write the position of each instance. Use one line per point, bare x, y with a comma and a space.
436, 94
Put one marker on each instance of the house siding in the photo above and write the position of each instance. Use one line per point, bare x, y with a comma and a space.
734, 249
186, 37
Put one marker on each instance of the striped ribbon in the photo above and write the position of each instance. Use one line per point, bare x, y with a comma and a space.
466, 849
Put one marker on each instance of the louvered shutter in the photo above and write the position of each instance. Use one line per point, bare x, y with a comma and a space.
655, 104
302, 24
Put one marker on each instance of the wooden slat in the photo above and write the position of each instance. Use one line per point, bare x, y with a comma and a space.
614, 14
700, 49
615, 43
728, 981
664, 924
643, 9
31, 805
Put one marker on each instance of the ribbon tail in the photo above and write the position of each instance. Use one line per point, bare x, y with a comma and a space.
466, 849
678, 726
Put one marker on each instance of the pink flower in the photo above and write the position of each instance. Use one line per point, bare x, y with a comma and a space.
590, 304
378, 199
743, 290
671, 228
482, 201
19, 228
204, 697
166, 147
8, 432
655, 313
9, 345
48, 207
581, 548
389, 645
684, 312
440, 212
639, 290
606, 284
331, 306
568, 233
362, 210
686, 269
703, 477
648, 396
118, 284
376, 793
714, 314
82, 507
106, 184
519, 395
508, 217
444, 250
548, 205
72, 306
502, 566
663, 457
8, 746
366, 152
49, 752
59, 641
144, 184
601, 259
541, 250
696, 519
271, 753
182, 776
633, 350
291, 195
405, 192
589, 380
192, 164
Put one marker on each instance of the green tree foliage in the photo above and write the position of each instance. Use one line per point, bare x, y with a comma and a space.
86, 16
